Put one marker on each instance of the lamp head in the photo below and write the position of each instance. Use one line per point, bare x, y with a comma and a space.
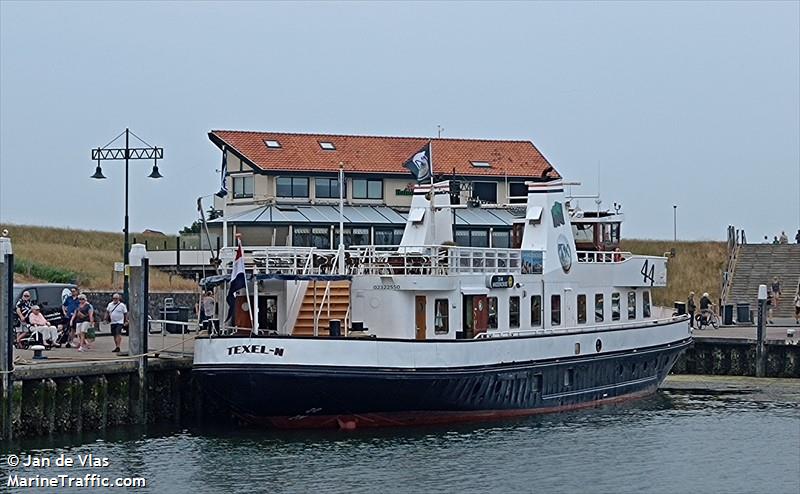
155, 173
98, 173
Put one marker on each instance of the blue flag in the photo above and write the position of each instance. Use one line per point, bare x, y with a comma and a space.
223, 188
420, 164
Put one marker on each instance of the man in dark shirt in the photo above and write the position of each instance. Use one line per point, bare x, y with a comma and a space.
691, 308
23, 307
68, 309
705, 305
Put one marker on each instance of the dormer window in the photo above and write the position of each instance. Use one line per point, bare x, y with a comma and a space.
272, 144
481, 164
327, 146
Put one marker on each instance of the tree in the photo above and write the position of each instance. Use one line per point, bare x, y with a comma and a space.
197, 225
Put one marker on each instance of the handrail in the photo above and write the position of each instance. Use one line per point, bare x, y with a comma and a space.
727, 275
290, 309
600, 256
325, 295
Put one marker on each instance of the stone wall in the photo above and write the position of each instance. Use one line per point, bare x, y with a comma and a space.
729, 357
100, 301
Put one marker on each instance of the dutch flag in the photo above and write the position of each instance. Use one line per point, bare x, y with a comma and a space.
237, 280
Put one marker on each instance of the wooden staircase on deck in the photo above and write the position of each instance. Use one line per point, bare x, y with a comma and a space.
335, 307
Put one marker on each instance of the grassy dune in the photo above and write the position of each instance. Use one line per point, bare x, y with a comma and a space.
89, 255
695, 267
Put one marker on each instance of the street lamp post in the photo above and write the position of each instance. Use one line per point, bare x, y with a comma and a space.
127, 153
674, 223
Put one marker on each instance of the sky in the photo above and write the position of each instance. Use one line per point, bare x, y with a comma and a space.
694, 104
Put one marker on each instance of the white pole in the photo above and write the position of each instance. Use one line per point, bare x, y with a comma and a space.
255, 300
224, 232
341, 218
433, 193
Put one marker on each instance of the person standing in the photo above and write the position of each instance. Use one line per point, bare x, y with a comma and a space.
208, 310
775, 240
770, 301
797, 306
23, 310
117, 315
776, 292
68, 310
784, 239
797, 237
83, 319
691, 308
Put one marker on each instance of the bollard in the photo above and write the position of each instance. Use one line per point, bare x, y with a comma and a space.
137, 337
761, 353
6, 337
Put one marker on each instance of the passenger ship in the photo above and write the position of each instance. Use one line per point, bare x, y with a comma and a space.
437, 333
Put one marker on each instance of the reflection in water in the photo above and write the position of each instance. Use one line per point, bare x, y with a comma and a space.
667, 443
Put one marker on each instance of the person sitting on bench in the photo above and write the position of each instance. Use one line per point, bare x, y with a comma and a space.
40, 324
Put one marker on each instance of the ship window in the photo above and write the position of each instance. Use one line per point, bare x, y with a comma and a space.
631, 305
492, 302
441, 323
555, 310
615, 306
513, 312
243, 186
598, 308
582, 309
577, 348
646, 304
569, 377
536, 310
292, 187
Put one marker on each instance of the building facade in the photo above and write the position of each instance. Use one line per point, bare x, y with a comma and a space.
283, 188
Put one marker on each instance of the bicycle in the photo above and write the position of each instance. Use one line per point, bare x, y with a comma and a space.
707, 319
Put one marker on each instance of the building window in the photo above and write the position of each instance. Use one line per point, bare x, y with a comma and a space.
631, 305
243, 186
305, 236
536, 310
272, 144
472, 238
441, 323
485, 192
513, 312
352, 236
555, 310
598, 308
292, 187
615, 306
517, 193
645, 303
367, 189
492, 302
481, 164
388, 236
326, 188
327, 146
582, 309
501, 239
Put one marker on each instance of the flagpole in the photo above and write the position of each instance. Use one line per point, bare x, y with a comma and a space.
255, 300
341, 218
246, 289
433, 193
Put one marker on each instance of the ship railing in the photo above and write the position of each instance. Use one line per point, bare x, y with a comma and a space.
578, 329
591, 256
286, 260
434, 260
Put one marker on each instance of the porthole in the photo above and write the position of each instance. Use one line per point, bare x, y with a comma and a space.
598, 345
577, 348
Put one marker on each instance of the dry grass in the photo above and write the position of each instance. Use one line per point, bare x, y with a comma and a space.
697, 267
89, 254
